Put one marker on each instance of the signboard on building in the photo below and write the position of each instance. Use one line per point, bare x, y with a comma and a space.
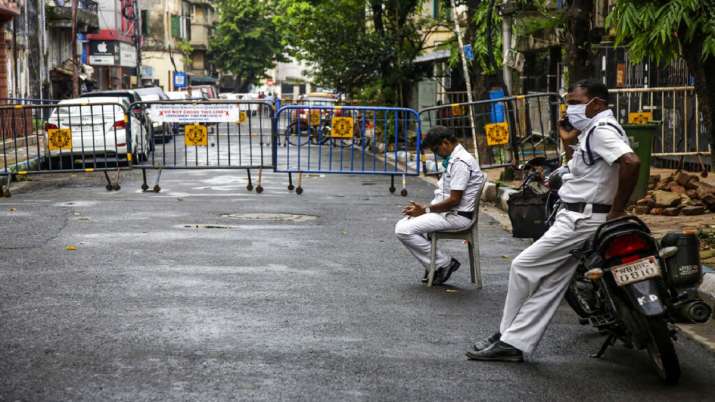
195, 113
147, 72
468, 52
127, 55
103, 53
179, 79
112, 53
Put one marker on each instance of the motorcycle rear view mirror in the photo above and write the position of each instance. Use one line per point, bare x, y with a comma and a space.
668, 252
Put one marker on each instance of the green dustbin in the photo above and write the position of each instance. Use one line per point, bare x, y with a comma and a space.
641, 137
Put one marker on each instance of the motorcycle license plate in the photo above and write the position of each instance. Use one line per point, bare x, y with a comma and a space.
636, 271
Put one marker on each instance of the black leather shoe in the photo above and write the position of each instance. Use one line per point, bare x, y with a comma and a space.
451, 268
438, 278
498, 352
426, 277
485, 343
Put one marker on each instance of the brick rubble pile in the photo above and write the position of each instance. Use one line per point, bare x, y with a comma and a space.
677, 194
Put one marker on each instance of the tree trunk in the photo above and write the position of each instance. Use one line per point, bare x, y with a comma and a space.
578, 28
470, 33
704, 88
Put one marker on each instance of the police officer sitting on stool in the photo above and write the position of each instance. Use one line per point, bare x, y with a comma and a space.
452, 207
603, 170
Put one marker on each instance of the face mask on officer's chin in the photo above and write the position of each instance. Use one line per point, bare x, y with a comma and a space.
577, 115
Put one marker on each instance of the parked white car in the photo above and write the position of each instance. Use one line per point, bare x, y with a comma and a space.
177, 95
98, 127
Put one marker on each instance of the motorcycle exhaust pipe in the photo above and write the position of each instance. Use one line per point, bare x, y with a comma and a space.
694, 312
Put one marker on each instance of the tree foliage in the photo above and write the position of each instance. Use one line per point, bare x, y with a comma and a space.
355, 44
664, 30
246, 41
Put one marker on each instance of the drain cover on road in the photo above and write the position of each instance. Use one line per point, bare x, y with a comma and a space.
277, 217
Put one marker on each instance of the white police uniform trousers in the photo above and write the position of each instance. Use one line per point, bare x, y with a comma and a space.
539, 278
412, 232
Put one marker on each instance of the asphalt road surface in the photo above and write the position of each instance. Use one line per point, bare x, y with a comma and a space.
206, 292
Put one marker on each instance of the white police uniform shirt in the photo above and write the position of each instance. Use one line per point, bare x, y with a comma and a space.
540, 274
462, 174
593, 176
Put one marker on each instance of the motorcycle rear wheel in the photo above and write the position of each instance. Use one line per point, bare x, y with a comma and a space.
661, 350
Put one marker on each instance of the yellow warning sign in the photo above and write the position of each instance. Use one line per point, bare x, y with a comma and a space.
640, 117
59, 138
315, 117
457, 109
497, 133
242, 117
196, 135
342, 127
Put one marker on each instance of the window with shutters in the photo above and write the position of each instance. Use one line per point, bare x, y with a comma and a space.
176, 26
145, 22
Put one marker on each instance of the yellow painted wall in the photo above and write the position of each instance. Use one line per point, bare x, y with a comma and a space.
162, 66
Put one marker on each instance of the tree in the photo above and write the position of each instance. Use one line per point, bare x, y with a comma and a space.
578, 39
333, 38
352, 45
666, 30
246, 41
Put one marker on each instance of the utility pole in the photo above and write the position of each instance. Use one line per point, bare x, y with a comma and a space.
75, 62
42, 40
467, 79
138, 40
16, 76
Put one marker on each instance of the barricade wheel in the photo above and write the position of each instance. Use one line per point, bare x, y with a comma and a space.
145, 187
299, 190
157, 188
108, 187
259, 189
403, 192
291, 187
117, 187
249, 187
6, 192
392, 190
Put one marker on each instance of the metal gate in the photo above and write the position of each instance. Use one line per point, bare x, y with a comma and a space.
71, 136
508, 130
348, 140
204, 135
682, 132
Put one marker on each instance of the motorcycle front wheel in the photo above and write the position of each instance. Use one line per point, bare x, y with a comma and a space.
661, 350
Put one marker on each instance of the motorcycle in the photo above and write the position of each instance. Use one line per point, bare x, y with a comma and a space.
633, 288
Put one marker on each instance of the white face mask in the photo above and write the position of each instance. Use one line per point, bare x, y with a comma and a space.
577, 115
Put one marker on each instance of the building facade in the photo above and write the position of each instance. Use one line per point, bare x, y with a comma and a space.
167, 48
59, 52
9, 9
112, 51
203, 19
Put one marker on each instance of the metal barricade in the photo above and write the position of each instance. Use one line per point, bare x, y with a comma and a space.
508, 130
74, 137
348, 140
682, 131
221, 134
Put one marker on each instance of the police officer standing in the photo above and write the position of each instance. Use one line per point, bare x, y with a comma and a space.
603, 170
452, 207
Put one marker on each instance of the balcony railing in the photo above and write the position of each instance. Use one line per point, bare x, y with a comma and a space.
87, 5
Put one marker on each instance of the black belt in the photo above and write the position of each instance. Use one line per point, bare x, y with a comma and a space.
580, 206
466, 214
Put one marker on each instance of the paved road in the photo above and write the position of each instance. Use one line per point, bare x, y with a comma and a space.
324, 305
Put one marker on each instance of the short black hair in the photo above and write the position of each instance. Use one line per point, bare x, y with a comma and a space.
436, 135
594, 88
